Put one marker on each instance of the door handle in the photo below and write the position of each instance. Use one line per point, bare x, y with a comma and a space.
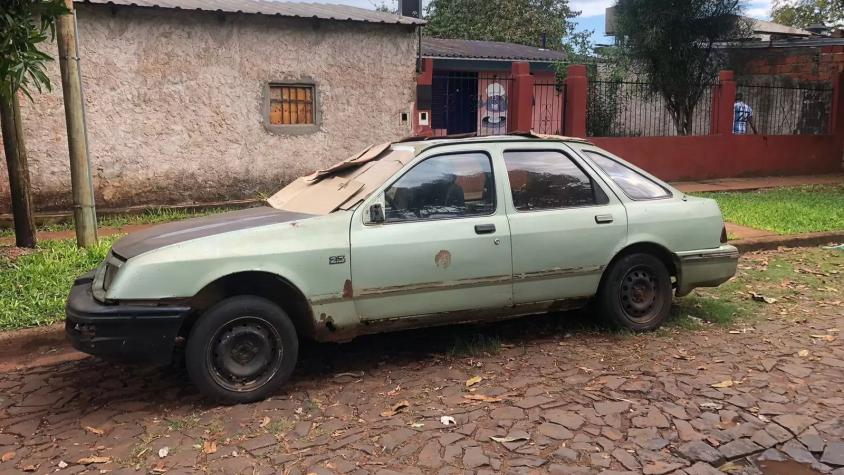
603, 218
484, 228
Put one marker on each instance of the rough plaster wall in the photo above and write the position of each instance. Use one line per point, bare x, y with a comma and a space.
174, 103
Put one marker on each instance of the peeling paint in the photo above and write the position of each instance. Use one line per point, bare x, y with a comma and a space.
443, 259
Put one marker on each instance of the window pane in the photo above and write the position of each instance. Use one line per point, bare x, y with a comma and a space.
291, 105
447, 186
634, 184
547, 180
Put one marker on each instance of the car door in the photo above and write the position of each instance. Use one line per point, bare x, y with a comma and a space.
565, 225
444, 245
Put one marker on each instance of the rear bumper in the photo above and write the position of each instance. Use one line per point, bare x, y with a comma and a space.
127, 332
706, 268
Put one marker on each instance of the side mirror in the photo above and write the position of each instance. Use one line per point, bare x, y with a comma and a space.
376, 213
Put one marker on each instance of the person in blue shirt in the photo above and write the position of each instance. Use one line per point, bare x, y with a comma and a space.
742, 116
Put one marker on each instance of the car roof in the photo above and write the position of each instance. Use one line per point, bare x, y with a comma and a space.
423, 143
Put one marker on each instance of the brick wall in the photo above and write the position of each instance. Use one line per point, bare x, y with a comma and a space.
787, 65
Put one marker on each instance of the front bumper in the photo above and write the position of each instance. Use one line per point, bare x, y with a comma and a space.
706, 268
121, 331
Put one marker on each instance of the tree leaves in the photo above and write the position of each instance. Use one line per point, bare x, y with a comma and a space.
24, 26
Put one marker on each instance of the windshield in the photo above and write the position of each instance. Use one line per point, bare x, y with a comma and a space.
343, 185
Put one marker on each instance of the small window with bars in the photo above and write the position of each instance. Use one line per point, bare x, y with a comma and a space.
291, 104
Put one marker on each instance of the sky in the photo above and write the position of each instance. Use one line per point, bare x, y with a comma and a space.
592, 12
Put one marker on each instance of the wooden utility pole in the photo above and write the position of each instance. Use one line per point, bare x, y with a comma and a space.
13, 145
84, 214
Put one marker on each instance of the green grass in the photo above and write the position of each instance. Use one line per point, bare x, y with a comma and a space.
150, 216
34, 286
801, 209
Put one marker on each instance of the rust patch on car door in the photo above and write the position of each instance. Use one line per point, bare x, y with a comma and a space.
348, 291
443, 259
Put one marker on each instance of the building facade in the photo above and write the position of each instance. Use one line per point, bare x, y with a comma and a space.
192, 106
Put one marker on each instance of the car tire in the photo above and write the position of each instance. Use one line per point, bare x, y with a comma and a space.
636, 293
241, 350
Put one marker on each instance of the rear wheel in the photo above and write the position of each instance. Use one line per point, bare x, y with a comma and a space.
636, 293
242, 350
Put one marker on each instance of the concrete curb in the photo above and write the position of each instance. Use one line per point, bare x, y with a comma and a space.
767, 243
18, 342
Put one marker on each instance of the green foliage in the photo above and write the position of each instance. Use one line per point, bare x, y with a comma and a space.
672, 44
805, 13
513, 21
785, 210
24, 24
34, 286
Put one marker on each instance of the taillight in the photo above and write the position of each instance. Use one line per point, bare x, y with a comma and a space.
723, 234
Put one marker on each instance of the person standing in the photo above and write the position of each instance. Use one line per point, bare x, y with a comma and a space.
742, 116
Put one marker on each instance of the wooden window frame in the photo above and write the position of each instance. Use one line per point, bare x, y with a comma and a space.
293, 129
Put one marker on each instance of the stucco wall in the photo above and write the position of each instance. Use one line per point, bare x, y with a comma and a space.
174, 103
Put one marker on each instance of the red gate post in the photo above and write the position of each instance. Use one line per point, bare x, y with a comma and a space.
521, 101
422, 114
724, 99
577, 90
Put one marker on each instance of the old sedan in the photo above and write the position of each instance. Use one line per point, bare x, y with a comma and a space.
405, 234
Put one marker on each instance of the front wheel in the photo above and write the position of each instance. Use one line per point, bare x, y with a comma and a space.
242, 350
636, 293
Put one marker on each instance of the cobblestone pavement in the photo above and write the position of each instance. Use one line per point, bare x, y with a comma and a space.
550, 397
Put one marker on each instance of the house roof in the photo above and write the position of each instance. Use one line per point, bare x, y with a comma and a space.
486, 50
771, 28
319, 11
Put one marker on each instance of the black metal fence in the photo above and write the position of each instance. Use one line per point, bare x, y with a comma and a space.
620, 108
470, 103
549, 108
779, 110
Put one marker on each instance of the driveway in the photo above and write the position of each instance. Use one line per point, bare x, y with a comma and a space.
546, 394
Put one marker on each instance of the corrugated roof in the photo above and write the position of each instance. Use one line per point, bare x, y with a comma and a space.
320, 11
769, 27
486, 50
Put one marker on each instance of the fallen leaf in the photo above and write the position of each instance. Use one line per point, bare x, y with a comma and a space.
209, 447
93, 459
417, 425
482, 397
394, 391
448, 421
508, 439
94, 430
803, 353
397, 407
7, 456
160, 468
163, 451
473, 381
264, 422
358, 374
824, 337
30, 468
723, 384
762, 298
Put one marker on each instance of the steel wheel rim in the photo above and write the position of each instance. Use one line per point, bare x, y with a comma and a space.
244, 354
639, 294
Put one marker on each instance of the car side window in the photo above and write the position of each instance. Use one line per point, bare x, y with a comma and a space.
444, 186
547, 179
635, 185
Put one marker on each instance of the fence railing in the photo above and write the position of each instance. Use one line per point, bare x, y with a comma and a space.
620, 108
779, 110
549, 108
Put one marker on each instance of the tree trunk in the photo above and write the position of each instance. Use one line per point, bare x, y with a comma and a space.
13, 145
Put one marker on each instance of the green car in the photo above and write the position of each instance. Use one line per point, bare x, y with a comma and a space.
402, 235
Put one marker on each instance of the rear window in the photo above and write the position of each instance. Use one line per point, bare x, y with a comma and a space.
635, 185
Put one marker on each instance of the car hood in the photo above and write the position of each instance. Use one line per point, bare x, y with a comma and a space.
175, 232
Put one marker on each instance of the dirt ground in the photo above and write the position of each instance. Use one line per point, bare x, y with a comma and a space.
551, 394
